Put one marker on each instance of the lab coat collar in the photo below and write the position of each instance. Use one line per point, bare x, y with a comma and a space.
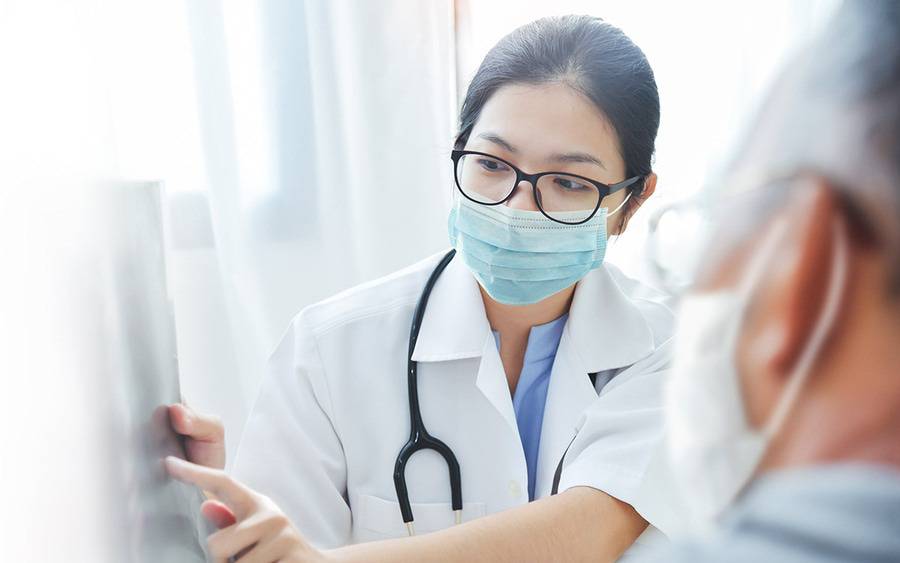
606, 327
605, 330
455, 324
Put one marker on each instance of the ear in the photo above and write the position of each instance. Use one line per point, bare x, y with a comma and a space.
790, 298
637, 199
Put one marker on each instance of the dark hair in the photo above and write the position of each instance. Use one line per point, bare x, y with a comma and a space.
588, 54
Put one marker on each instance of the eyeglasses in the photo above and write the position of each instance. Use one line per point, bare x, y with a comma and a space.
686, 236
565, 198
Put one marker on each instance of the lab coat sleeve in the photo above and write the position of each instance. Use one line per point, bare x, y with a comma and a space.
290, 450
620, 440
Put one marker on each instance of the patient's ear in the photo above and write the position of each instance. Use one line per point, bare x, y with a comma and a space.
637, 199
789, 298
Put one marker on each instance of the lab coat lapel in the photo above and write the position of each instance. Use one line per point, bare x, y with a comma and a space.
609, 330
570, 392
455, 326
492, 383
606, 330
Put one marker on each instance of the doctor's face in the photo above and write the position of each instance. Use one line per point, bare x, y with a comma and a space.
551, 127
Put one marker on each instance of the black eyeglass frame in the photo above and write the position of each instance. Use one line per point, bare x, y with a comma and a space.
604, 189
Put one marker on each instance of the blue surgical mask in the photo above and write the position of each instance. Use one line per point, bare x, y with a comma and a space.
522, 257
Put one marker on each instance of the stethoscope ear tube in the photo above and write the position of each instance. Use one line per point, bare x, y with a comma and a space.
419, 438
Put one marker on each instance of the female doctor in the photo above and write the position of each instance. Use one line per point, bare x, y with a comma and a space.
535, 369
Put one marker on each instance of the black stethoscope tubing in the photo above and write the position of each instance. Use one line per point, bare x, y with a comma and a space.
419, 438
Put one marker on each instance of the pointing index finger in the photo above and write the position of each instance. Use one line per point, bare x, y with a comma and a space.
240, 499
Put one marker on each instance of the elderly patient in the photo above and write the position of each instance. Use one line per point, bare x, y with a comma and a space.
788, 370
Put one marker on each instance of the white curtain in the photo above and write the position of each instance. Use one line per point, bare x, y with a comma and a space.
303, 145
305, 149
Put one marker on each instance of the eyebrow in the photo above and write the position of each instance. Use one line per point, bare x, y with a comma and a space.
497, 140
577, 157
560, 157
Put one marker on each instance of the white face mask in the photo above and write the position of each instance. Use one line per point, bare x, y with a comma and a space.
713, 450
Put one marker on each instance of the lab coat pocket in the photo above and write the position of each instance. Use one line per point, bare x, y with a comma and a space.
377, 518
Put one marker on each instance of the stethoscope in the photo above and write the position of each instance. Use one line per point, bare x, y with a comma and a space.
420, 439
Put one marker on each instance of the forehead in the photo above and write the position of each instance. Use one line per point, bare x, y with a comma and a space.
546, 119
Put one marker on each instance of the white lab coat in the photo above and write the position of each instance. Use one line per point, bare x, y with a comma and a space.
332, 412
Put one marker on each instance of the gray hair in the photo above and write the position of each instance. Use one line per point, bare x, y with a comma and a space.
836, 110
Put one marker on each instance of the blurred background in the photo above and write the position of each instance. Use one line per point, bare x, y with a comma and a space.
299, 148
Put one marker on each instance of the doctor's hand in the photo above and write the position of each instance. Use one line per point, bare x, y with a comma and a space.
252, 528
204, 435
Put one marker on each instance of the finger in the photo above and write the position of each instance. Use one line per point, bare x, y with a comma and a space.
180, 417
242, 536
236, 496
228, 559
201, 427
218, 513
271, 548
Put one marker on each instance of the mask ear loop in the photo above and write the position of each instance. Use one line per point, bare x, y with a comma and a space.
836, 285
617, 209
757, 266
621, 205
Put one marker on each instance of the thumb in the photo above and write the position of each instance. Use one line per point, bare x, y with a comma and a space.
216, 512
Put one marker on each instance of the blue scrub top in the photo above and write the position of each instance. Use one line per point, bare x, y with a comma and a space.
531, 390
